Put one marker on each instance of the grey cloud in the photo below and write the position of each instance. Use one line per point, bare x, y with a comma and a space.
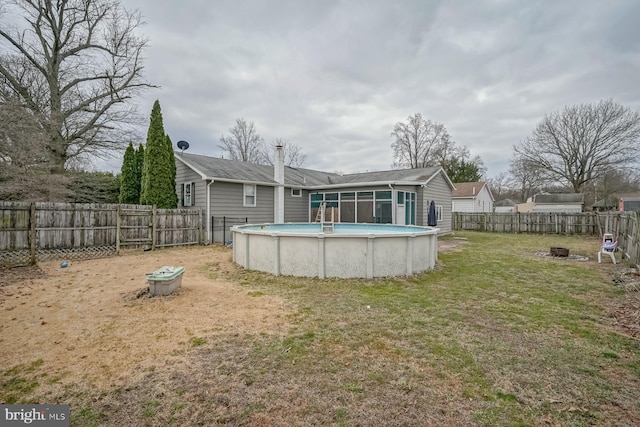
334, 77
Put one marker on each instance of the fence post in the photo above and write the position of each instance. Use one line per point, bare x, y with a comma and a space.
153, 227
224, 230
32, 233
201, 224
118, 227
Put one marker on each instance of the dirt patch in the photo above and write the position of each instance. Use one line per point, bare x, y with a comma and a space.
15, 275
625, 311
93, 322
451, 244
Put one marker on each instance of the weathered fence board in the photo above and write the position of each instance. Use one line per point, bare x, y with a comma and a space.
43, 230
533, 222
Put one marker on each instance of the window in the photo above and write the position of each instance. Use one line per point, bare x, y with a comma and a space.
439, 213
364, 207
249, 195
188, 194
296, 192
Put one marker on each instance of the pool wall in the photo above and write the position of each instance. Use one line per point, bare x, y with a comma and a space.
355, 250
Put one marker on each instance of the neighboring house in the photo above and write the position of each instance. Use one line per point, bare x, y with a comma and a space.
629, 202
472, 197
556, 202
505, 205
266, 194
609, 203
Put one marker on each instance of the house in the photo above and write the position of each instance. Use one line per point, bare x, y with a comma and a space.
609, 203
556, 202
267, 194
505, 205
472, 197
629, 202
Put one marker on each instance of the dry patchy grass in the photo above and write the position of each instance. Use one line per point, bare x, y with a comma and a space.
495, 336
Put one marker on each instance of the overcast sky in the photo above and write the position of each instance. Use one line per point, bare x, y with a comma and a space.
333, 77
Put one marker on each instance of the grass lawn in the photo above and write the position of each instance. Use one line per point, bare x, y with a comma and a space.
496, 336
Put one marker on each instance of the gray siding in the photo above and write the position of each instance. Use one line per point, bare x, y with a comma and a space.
439, 191
226, 200
187, 175
296, 209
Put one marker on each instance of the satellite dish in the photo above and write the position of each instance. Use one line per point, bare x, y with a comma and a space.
183, 145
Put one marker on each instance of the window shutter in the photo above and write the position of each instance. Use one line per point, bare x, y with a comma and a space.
182, 195
193, 194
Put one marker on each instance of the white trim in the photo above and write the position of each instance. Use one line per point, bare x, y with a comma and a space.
245, 195
189, 165
441, 170
188, 194
299, 192
208, 219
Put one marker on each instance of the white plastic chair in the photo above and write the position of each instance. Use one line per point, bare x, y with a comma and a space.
609, 246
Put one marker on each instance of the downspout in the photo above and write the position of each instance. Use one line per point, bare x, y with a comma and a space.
394, 200
209, 236
278, 177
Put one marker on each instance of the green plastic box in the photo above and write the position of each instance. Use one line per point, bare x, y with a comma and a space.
165, 280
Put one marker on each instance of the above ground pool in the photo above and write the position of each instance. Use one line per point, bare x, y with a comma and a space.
335, 250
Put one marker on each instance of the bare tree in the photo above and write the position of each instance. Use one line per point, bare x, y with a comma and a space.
581, 143
243, 143
526, 178
615, 182
419, 143
73, 65
22, 140
499, 185
293, 155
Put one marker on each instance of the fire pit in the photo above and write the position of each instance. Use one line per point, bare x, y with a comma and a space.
559, 252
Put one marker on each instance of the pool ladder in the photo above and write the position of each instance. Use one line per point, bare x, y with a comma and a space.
320, 214
327, 227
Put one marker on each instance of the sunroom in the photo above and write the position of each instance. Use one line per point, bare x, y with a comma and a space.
389, 206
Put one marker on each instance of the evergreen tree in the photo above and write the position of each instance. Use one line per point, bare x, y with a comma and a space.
461, 170
172, 166
139, 166
158, 180
129, 179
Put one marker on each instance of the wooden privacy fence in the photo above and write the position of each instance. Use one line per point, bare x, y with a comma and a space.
532, 222
623, 225
32, 232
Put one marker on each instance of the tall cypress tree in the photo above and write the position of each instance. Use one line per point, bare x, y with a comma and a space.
158, 180
172, 167
139, 166
129, 181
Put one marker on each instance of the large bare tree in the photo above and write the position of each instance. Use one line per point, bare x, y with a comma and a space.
581, 143
243, 143
293, 155
72, 66
419, 143
21, 138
